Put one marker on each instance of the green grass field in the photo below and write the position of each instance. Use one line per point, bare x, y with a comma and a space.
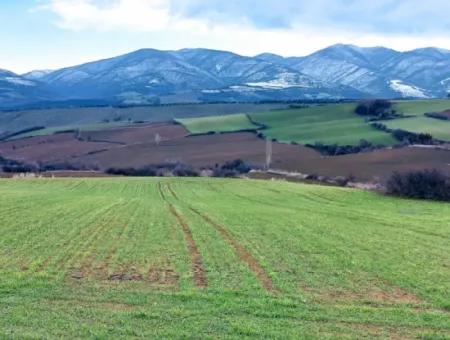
439, 129
196, 258
82, 127
228, 123
419, 107
328, 124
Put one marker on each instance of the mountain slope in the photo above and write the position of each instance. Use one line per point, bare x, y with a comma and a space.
194, 75
199, 73
17, 90
379, 71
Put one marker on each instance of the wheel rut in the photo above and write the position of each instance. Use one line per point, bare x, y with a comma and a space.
197, 267
243, 254
198, 271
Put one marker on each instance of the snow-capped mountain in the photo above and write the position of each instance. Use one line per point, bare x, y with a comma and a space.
196, 74
378, 71
36, 75
17, 90
148, 76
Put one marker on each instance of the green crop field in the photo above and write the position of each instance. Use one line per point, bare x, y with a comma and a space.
82, 127
228, 123
193, 258
439, 129
328, 124
419, 107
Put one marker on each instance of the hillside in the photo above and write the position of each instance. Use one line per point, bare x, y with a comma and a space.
224, 258
150, 76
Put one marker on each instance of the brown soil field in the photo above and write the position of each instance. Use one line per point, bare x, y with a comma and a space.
139, 133
53, 148
135, 147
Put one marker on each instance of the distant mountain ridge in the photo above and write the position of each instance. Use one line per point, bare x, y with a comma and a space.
151, 76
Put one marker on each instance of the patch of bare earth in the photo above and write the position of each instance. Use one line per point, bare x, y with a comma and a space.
162, 276
386, 295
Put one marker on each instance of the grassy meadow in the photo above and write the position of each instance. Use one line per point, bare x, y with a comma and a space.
439, 129
328, 124
191, 258
419, 107
228, 123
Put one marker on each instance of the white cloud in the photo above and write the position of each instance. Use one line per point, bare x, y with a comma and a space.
177, 31
88, 30
140, 15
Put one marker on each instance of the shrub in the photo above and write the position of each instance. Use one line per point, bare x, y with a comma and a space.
13, 166
65, 166
413, 138
141, 172
336, 150
182, 170
379, 108
425, 184
169, 169
232, 169
437, 115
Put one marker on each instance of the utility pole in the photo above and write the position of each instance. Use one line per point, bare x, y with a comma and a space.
268, 153
157, 139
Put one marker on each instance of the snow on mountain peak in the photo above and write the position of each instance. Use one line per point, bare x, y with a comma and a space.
407, 91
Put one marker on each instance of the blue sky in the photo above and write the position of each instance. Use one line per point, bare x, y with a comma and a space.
47, 34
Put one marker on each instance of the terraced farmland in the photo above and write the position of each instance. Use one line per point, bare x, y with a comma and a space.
181, 258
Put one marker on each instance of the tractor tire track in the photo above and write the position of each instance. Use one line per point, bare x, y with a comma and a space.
243, 254
172, 192
197, 268
239, 249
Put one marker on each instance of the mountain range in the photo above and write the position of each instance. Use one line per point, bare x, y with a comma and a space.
151, 76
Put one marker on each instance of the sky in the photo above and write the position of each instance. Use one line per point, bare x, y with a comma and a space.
50, 34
